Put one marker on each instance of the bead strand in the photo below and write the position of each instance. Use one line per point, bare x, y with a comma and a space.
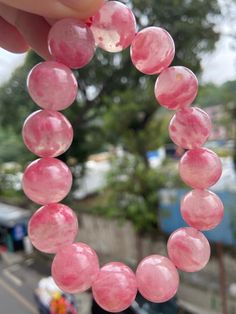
48, 134
200, 168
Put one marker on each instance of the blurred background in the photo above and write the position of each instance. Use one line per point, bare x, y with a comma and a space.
126, 189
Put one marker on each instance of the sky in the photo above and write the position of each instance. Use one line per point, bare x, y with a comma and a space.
8, 63
218, 67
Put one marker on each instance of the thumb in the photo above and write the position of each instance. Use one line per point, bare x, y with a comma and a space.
57, 9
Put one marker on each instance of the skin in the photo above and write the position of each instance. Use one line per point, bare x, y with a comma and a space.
25, 24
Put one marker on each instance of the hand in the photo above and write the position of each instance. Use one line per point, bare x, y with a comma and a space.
25, 24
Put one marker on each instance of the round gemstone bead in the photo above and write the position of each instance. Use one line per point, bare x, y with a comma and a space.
114, 26
52, 227
71, 42
52, 85
176, 87
202, 209
157, 278
75, 267
190, 128
200, 168
188, 249
47, 180
47, 133
152, 50
115, 287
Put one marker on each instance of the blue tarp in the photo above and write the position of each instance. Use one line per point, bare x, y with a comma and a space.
170, 218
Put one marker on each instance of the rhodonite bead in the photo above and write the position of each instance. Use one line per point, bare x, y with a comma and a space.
75, 267
157, 278
114, 26
115, 287
202, 209
47, 180
200, 168
152, 50
176, 87
47, 133
52, 227
52, 85
188, 249
190, 128
71, 42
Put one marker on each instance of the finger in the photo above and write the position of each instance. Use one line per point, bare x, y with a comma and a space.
11, 39
33, 28
35, 31
51, 21
57, 9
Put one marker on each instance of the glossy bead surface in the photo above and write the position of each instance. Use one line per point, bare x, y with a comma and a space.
188, 249
75, 267
157, 278
190, 128
202, 209
71, 42
52, 85
200, 168
52, 227
176, 87
114, 26
115, 287
152, 50
47, 180
47, 133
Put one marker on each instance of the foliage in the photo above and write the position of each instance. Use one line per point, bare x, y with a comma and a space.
190, 22
132, 192
15, 103
132, 188
110, 75
210, 95
10, 178
12, 149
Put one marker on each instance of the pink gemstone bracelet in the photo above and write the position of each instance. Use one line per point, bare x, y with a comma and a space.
47, 181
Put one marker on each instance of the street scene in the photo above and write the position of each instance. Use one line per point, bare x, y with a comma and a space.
117, 157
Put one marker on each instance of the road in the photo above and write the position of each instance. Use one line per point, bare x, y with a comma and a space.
17, 283
13, 302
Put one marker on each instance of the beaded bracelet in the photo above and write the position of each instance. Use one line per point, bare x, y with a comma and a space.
48, 134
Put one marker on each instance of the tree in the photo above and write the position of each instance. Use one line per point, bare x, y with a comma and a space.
187, 21
225, 95
116, 103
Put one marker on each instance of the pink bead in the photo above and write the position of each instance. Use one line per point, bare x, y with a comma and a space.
47, 180
200, 168
202, 209
52, 227
152, 50
176, 87
47, 133
114, 26
75, 267
115, 287
71, 42
190, 128
52, 85
188, 249
157, 278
